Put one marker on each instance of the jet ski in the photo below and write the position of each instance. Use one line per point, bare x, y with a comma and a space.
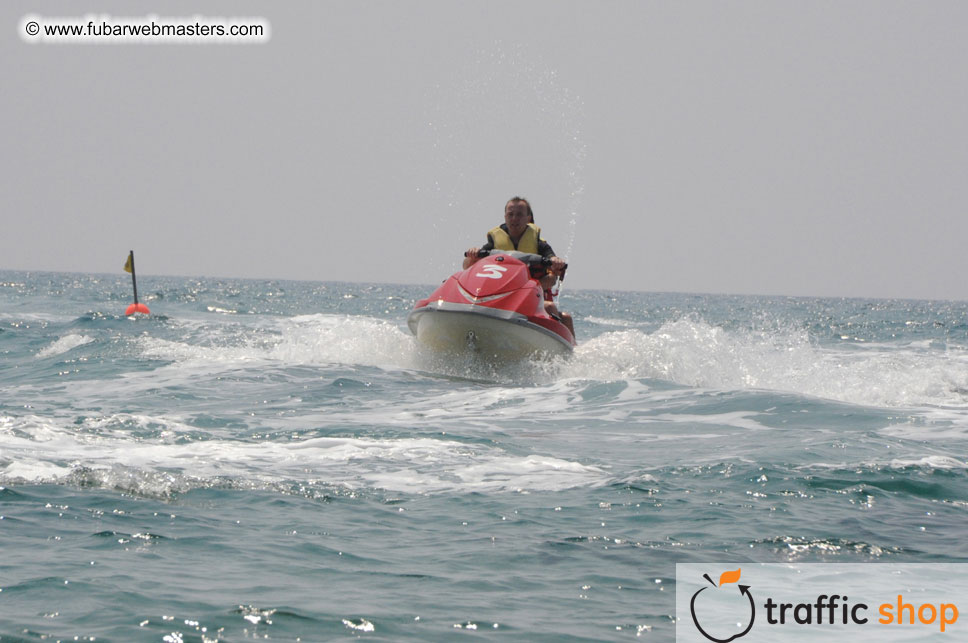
495, 309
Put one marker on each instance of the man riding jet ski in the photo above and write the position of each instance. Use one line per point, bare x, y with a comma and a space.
519, 232
497, 305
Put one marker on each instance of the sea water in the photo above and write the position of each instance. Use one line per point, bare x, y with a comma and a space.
281, 461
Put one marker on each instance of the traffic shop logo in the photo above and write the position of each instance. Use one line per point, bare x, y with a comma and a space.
725, 611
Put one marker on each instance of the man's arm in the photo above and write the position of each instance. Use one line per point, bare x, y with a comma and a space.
544, 249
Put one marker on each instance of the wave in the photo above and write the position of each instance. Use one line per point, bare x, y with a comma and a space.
306, 339
924, 463
688, 352
64, 344
37, 451
693, 353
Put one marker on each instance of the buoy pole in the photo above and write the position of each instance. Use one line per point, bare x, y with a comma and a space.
134, 282
135, 307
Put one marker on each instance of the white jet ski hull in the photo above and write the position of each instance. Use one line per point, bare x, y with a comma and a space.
489, 332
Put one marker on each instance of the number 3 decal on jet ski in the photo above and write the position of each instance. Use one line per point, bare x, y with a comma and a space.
492, 272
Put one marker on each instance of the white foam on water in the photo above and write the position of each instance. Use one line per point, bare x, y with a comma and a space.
928, 462
604, 321
688, 352
363, 626
693, 353
35, 450
187, 353
64, 344
303, 340
342, 339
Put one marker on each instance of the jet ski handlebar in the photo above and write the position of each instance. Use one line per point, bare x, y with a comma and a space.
530, 259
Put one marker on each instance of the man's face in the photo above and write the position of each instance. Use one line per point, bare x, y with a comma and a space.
516, 217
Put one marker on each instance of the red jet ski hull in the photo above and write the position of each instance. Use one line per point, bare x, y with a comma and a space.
494, 309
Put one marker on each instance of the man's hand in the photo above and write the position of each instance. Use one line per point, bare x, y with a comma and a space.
558, 266
470, 257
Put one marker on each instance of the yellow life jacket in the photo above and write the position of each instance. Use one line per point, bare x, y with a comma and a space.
527, 243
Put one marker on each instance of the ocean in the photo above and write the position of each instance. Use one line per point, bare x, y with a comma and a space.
279, 460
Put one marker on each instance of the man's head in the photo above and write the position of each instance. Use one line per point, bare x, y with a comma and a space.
517, 215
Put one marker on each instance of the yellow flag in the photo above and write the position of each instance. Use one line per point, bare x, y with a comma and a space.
127, 264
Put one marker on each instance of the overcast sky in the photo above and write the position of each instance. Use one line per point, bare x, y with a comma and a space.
797, 148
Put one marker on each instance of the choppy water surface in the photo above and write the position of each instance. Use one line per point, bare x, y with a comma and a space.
281, 461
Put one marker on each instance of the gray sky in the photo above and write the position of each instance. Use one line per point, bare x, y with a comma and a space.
799, 148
